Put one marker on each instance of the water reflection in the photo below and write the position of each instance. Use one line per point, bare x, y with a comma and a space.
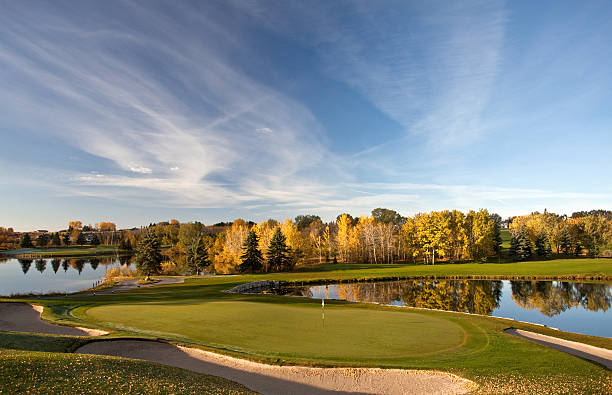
483, 297
553, 298
55, 264
22, 276
25, 265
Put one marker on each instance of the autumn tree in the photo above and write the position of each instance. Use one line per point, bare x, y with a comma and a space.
75, 225
227, 248
107, 227
343, 237
148, 256
252, 259
297, 244
596, 229
480, 231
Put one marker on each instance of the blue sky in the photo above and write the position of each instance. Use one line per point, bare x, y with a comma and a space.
141, 111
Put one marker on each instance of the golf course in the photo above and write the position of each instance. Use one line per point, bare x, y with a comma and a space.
282, 330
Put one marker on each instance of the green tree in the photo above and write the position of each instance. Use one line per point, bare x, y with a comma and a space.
55, 240
80, 239
66, 238
95, 240
387, 216
303, 221
125, 244
252, 259
26, 241
278, 252
496, 218
191, 238
520, 245
542, 247
42, 240
148, 256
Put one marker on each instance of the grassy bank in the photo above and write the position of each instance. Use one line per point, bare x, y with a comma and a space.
70, 251
39, 364
556, 269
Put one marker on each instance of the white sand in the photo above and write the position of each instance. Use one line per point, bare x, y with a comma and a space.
271, 379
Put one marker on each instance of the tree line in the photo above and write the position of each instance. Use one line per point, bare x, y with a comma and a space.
383, 237
539, 234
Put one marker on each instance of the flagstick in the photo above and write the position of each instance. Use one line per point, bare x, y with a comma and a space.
323, 311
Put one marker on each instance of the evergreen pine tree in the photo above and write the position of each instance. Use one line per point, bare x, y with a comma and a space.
26, 241
80, 239
278, 252
541, 244
252, 259
42, 240
148, 256
66, 239
55, 240
565, 242
520, 245
95, 240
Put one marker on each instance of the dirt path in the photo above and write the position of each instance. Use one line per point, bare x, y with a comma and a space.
592, 353
22, 317
271, 379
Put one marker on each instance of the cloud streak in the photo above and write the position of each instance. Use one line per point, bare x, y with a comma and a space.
185, 130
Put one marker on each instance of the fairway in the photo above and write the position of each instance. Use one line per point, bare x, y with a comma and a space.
295, 331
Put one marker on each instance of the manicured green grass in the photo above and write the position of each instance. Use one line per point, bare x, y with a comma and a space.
505, 237
288, 330
50, 370
551, 269
68, 251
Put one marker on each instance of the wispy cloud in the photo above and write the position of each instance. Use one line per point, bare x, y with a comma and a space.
181, 125
430, 66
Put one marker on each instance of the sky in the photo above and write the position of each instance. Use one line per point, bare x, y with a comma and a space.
141, 111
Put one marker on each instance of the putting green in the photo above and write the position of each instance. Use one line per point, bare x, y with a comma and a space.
296, 331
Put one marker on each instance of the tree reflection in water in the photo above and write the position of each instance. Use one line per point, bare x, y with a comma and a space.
470, 296
552, 297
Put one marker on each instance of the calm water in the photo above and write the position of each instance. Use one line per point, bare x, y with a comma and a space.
569, 306
20, 276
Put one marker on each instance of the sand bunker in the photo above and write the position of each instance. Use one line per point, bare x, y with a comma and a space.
271, 379
22, 317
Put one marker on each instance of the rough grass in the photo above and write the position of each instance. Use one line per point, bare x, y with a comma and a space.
53, 371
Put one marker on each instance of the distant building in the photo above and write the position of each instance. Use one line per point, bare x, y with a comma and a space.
42, 231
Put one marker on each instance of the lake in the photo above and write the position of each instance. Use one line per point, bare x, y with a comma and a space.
569, 306
22, 276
